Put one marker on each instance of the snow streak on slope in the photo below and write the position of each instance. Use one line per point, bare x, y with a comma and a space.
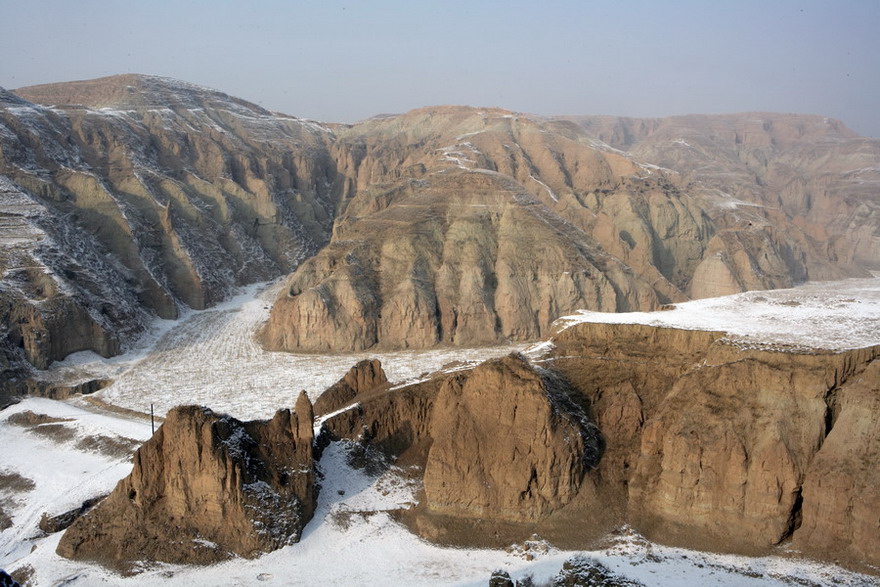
834, 315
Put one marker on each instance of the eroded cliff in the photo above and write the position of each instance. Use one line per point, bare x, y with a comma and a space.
205, 487
690, 437
465, 226
124, 197
446, 225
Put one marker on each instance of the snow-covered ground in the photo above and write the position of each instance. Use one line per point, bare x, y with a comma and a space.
352, 539
51, 464
833, 315
210, 358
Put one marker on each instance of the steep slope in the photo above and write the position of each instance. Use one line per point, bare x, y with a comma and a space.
803, 183
690, 437
204, 488
161, 191
127, 196
467, 226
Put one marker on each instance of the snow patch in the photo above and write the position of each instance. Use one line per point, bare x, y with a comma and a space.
835, 315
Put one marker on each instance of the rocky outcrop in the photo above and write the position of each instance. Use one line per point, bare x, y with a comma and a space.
365, 376
51, 524
688, 436
503, 441
397, 421
204, 488
841, 491
498, 225
467, 226
450, 225
716, 446
809, 180
509, 444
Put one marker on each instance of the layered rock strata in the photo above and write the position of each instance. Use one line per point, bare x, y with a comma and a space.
204, 488
732, 448
687, 436
124, 197
808, 181
450, 225
465, 227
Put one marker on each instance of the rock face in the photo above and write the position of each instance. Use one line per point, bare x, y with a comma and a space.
364, 377
462, 226
807, 184
840, 495
690, 438
504, 441
687, 436
469, 226
204, 488
123, 197
127, 196
509, 444
736, 449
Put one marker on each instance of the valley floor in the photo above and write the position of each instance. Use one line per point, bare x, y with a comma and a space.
57, 454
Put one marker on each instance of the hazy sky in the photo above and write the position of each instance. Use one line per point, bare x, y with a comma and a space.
345, 61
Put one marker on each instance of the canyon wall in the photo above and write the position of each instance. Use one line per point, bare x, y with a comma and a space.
688, 437
128, 197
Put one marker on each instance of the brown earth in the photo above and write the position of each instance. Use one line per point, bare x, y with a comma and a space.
204, 488
689, 438
446, 225
364, 377
684, 435
807, 180
467, 226
509, 444
132, 194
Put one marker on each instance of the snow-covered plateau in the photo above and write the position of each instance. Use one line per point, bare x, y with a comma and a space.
56, 454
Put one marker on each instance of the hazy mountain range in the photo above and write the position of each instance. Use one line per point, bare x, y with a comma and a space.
126, 196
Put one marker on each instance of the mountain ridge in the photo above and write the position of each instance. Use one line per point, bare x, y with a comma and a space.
190, 192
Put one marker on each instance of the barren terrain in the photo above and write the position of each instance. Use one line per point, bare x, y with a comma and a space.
57, 454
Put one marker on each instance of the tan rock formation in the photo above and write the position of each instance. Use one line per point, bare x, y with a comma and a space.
809, 177
428, 247
365, 376
204, 488
715, 446
697, 442
451, 225
466, 226
841, 493
461, 262
395, 421
508, 444
131, 194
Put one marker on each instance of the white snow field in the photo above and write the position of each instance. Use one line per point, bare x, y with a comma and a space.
833, 315
49, 465
210, 358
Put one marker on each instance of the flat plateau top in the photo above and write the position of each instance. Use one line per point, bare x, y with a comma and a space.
833, 315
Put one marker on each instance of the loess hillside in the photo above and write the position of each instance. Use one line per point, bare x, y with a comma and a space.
130, 197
